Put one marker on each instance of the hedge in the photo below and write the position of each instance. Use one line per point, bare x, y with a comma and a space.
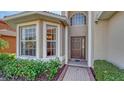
30, 69
106, 71
7, 57
20, 69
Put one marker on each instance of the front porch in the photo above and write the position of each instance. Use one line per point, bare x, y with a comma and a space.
74, 73
78, 63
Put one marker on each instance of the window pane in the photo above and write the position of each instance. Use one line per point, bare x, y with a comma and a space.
49, 31
51, 36
54, 30
28, 34
53, 51
54, 45
30, 45
23, 51
78, 19
49, 52
49, 45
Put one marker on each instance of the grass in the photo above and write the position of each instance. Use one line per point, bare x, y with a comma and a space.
106, 71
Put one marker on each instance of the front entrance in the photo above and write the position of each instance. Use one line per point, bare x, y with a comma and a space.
78, 47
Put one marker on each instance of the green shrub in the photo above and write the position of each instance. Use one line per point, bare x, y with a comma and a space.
3, 44
7, 57
24, 69
107, 71
30, 69
2, 64
52, 68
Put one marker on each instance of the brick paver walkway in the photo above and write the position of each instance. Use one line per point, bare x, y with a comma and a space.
76, 74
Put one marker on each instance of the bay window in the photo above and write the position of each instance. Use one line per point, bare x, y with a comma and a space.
28, 40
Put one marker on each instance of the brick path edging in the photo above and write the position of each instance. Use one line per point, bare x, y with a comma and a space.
63, 73
90, 74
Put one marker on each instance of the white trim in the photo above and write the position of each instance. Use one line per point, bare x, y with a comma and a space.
98, 15
66, 45
17, 41
62, 58
18, 37
45, 41
76, 13
7, 32
22, 14
90, 39
28, 23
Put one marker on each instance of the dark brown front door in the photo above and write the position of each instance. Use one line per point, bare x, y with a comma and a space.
78, 47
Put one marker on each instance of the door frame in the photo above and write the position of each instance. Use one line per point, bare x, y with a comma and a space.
82, 56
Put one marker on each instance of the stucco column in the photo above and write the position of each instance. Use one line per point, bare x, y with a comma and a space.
38, 40
44, 40
66, 45
90, 33
58, 42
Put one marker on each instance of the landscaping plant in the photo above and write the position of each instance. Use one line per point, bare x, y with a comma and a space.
3, 44
7, 57
52, 68
21, 69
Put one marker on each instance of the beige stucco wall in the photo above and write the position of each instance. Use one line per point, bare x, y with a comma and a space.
108, 40
100, 40
62, 40
116, 39
78, 30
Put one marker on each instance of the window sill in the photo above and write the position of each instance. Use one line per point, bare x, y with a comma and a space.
27, 57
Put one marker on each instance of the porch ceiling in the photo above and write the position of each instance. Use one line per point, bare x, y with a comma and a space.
105, 15
30, 16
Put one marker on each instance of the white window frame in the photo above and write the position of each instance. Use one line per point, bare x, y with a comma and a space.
20, 40
45, 39
52, 41
37, 23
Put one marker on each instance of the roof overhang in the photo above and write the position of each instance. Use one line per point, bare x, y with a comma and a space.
34, 15
105, 15
7, 32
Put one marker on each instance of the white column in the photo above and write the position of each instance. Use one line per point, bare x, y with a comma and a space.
58, 41
66, 45
17, 42
38, 40
90, 39
44, 40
